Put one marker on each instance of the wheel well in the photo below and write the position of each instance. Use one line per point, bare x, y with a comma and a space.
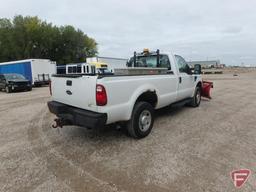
149, 96
199, 84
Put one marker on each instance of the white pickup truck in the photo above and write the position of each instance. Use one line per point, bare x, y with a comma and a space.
93, 100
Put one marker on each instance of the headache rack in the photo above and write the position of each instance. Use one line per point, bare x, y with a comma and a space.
145, 53
134, 68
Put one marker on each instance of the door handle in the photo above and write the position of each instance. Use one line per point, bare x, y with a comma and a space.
180, 79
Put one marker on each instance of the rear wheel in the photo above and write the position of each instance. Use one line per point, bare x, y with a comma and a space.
142, 120
196, 100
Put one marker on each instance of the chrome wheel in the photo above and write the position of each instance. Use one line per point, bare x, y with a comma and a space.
145, 120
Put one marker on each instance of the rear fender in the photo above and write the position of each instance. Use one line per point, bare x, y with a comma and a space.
137, 93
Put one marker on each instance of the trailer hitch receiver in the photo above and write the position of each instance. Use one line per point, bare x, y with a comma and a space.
57, 123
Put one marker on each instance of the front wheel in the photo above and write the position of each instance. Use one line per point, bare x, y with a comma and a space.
142, 120
196, 100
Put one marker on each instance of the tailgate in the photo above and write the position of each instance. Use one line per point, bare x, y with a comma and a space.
75, 91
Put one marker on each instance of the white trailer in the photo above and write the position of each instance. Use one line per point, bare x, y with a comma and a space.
38, 71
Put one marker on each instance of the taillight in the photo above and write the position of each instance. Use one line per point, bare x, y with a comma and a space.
101, 95
50, 87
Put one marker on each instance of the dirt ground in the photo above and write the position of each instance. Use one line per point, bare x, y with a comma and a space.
189, 149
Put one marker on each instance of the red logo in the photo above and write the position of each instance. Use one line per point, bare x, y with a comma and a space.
239, 177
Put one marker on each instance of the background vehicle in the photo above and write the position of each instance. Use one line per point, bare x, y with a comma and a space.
37, 71
95, 100
14, 82
112, 62
87, 68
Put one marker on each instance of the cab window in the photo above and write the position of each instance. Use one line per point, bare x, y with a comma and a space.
151, 61
182, 64
164, 62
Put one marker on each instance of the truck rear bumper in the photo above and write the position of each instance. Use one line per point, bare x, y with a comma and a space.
74, 116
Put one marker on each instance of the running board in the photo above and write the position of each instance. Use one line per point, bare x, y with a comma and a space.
181, 103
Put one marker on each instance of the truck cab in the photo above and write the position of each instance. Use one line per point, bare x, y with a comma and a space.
175, 64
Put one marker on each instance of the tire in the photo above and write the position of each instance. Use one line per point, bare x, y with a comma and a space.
29, 89
7, 89
196, 100
142, 120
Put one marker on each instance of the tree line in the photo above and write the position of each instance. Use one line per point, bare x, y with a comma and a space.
30, 37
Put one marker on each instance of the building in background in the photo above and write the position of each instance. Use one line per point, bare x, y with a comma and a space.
207, 64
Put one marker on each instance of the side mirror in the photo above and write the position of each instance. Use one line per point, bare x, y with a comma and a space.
197, 69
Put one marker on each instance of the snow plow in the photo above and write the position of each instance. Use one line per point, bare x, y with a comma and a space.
206, 88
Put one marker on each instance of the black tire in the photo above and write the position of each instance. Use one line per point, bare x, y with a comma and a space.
7, 89
196, 100
29, 89
142, 120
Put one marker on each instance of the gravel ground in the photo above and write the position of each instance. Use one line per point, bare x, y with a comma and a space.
189, 149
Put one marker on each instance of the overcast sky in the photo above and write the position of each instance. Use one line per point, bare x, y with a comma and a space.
197, 30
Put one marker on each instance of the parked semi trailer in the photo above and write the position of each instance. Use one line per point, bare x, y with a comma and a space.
38, 71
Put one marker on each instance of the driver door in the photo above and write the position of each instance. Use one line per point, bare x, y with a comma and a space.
186, 79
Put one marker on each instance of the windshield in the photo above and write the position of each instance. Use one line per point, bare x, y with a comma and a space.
14, 76
150, 61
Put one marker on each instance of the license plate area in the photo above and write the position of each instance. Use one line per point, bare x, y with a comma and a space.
69, 83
